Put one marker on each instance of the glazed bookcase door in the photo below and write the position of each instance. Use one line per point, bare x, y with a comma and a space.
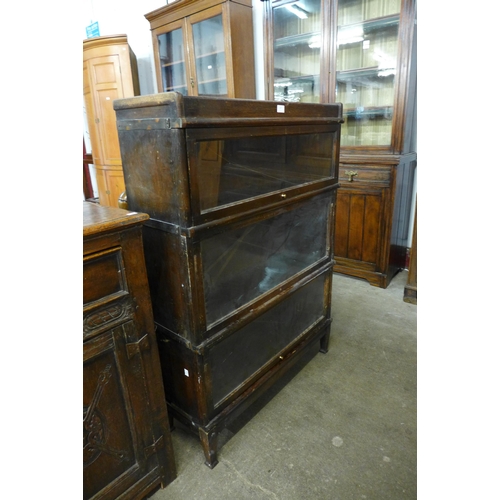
209, 54
366, 69
172, 59
297, 42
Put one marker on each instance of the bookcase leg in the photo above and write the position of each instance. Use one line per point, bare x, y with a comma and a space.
171, 421
209, 444
324, 342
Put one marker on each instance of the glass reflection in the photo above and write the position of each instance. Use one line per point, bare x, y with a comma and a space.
233, 170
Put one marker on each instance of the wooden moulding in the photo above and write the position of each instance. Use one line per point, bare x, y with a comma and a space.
183, 8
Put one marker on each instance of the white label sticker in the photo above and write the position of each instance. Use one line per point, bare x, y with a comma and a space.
280, 108
186, 373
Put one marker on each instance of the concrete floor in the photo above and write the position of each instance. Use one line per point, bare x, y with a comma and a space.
342, 427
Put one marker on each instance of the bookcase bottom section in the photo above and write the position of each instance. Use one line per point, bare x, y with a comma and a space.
188, 399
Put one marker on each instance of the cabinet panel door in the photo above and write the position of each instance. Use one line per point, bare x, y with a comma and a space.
358, 224
115, 186
105, 77
116, 432
91, 123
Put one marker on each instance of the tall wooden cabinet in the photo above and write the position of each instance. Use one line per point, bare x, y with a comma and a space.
239, 242
109, 73
361, 53
127, 448
204, 48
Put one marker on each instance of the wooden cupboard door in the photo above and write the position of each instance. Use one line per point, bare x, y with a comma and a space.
102, 188
91, 123
104, 75
115, 186
359, 226
118, 438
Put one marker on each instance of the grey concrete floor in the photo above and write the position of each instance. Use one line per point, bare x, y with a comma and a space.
341, 426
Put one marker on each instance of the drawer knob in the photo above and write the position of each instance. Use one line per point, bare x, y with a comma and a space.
351, 174
283, 195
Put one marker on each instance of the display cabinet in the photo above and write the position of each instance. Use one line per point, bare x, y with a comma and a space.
361, 53
239, 243
109, 73
204, 48
127, 448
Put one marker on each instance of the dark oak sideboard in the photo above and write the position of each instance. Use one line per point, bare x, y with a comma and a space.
127, 448
239, 244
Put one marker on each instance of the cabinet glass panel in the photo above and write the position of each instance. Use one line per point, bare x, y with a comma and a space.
233, 170
173, 69
210, 58
241, 264
257, 343
367, 48
297, 41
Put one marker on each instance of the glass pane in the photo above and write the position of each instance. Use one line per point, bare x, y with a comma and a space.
297, 42
233, 170
356, 11
242, 264
173, 71
210, 56
258, 342
367, 47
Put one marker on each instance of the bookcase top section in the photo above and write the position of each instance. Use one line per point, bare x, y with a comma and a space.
174, 110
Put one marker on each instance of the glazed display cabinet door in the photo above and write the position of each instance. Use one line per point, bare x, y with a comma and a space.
208, 57
297, 41
367, 55
172, 59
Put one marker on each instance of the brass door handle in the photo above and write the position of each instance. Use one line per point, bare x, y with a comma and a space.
351, 174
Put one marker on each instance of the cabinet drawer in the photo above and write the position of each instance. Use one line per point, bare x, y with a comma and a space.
349, 174
103, 276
